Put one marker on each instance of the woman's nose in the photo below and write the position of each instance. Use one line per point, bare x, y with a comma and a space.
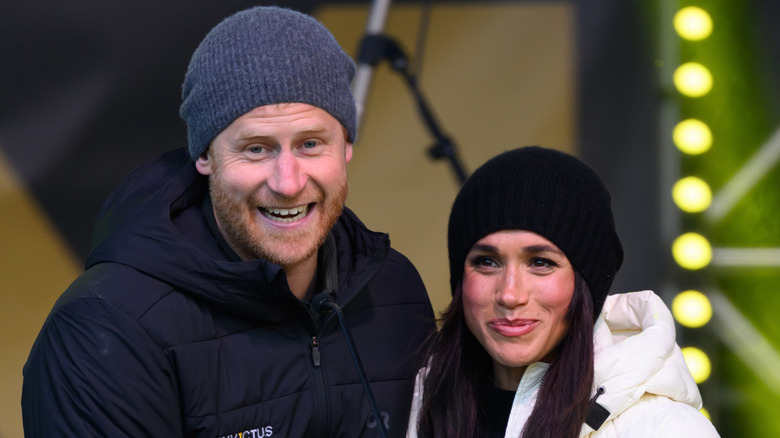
512, 291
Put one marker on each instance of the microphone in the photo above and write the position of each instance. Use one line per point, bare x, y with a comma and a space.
323, 303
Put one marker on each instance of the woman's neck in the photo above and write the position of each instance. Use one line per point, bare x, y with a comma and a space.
507, 378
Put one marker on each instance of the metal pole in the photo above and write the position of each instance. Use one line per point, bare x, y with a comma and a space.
362, 81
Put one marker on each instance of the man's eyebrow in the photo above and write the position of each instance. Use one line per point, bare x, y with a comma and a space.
314, 129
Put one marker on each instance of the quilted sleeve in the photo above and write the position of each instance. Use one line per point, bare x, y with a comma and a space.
93, 371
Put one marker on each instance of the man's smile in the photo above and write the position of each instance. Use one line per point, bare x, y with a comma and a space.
285, 215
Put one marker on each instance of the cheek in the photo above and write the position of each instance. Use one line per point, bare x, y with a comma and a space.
241, 180
474, 287
477, 299
558, 302
332, 174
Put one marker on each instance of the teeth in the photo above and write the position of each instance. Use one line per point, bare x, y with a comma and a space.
285, 214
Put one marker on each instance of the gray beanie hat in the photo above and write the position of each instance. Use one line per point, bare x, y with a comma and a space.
550, 193
263, 56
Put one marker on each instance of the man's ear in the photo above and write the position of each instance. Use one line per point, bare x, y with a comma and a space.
348, 152
203, 164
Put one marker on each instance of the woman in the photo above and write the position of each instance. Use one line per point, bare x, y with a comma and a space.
525, 348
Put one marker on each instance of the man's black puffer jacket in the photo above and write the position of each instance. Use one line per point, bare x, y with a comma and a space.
163, 337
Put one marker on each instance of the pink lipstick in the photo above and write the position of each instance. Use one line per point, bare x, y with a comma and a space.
513, 327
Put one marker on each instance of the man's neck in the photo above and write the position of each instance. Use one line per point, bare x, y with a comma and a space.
302, 278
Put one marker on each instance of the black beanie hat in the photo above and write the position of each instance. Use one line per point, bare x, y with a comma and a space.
550, 193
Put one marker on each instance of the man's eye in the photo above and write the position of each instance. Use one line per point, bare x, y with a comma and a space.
309, 144
255, 149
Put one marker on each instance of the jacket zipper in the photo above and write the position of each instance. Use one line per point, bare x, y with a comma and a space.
320, 403
315, 351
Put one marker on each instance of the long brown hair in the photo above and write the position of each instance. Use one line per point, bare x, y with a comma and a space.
458, 365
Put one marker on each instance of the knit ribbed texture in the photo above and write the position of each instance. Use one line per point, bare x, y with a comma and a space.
550, 193
263, 56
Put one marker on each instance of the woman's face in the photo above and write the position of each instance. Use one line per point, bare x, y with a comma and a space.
517, 287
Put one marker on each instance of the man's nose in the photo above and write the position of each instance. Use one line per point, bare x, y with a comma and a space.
287, 179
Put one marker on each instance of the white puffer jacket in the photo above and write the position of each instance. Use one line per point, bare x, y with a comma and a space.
648, 389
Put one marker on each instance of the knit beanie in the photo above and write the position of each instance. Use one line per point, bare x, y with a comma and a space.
550, 193
262, 56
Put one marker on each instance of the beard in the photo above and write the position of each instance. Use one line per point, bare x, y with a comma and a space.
251, 237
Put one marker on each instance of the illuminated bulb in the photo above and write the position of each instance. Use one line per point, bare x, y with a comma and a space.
693, 23
691, 194
691, 308
693, 79
692, 136
692, 251
698, 363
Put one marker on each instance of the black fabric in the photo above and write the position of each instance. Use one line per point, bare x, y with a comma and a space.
597, 415
207, 208
496, 405
163, 337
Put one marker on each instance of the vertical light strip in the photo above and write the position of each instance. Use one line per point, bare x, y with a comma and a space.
669, 116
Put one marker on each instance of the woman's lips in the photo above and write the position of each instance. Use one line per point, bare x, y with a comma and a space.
513, 327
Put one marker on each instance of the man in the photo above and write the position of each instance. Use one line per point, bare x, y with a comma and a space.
193, 316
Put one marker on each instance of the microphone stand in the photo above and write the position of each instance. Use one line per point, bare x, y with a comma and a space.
376, 47
364, 72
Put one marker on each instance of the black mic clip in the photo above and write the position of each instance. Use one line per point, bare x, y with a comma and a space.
323, 302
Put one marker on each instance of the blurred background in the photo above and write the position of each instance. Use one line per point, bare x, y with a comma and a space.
675, 103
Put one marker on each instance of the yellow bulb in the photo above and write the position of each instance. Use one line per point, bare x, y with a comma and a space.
693, 23
693, 79
706, 413
698, 363
692, 308
692, 136
692, 195
692, 251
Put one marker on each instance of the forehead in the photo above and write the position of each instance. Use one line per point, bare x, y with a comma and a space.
280, 118
516, 238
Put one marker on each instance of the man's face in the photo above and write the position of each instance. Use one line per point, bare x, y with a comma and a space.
278, 181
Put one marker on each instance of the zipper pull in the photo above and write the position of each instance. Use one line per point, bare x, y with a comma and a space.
315, 351
597, 414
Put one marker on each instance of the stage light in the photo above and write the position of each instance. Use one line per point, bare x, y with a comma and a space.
693, 23
692, 251
692, 137
692, 308
693, 79
698, 363
692, 194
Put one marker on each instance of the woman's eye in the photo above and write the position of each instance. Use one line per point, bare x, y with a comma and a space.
542, 263
483, 262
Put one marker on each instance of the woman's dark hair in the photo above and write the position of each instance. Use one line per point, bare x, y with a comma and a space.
459, 365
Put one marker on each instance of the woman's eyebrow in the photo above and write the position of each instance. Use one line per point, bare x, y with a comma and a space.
481, 247
542, 248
